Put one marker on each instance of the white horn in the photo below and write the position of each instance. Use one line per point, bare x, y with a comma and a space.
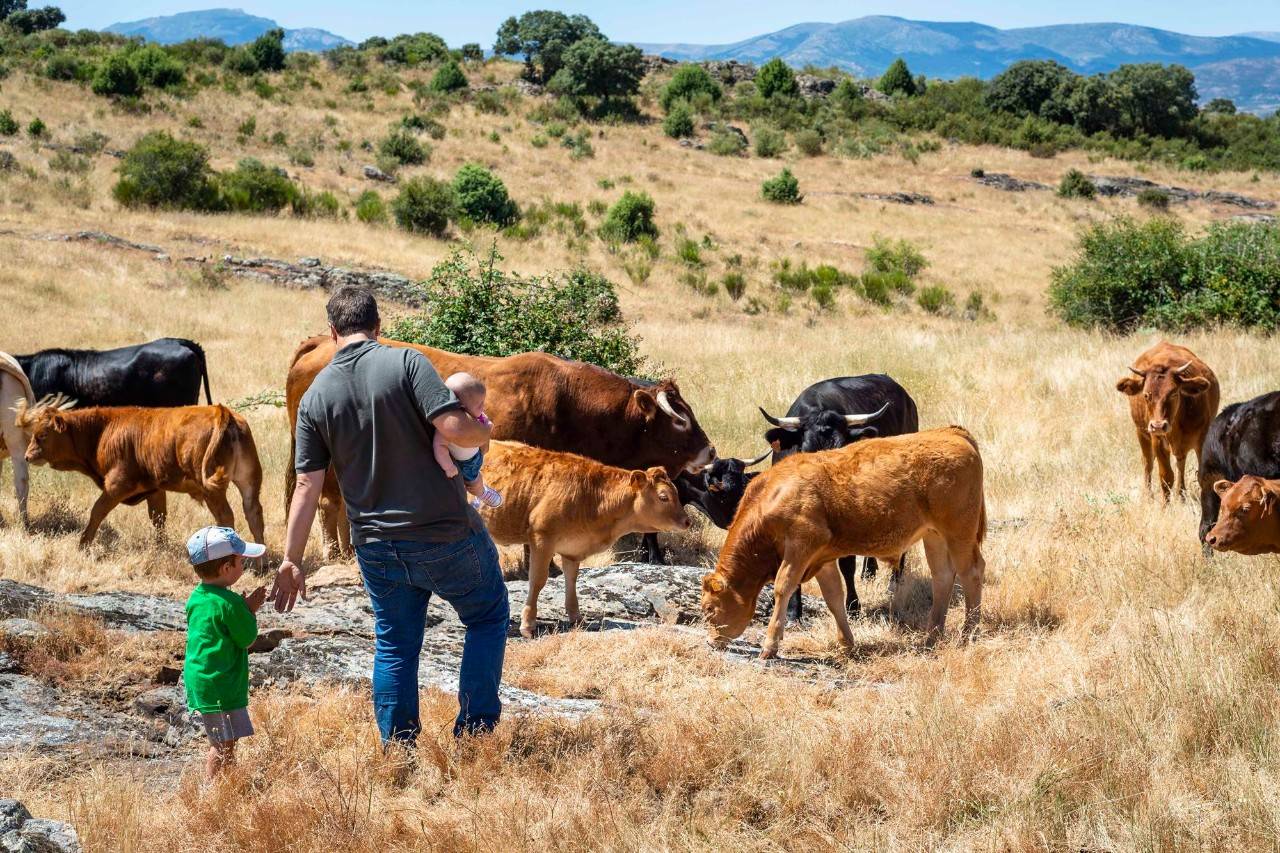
1180, 370
789, 423
665, 405
747, 463
859, 420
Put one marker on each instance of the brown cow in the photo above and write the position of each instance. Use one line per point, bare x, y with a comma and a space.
877, 497
1173, 397
561, 503
1249, 518
136, 454
543, 401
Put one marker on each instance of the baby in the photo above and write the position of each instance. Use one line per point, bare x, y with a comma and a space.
467, 460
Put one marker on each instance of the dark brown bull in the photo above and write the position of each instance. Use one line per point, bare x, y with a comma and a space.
542, 401
1173, 397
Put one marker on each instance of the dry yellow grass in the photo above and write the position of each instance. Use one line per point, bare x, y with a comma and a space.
1123, 694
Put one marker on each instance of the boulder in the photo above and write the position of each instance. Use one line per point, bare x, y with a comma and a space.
652, 63
35, 714
899, 197
27, 630
815, 87
19, 599
1008, 183
41, 836
373, 173
13, 814
130, 611
168, 703
730, 72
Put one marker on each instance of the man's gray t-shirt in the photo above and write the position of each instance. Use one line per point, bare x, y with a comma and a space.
369, 413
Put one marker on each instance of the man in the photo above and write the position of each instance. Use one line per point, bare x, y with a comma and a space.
372, 413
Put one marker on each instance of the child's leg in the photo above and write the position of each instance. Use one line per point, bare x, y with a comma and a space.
219, 757
475, 487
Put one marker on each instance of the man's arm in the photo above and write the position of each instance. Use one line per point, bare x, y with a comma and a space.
290, 582
461, 429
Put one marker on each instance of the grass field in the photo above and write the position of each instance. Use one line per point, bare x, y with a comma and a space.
1123, 692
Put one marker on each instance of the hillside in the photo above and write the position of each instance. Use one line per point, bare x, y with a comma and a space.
233, 26
1123, 692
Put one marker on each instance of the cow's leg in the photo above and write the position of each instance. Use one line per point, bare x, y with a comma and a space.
970, 567
786, 584
849, 571
250, 489
1180, 470
570, 569
1165, 465
217, 504
539, 557
653, 550
829, 581
157, 511
795, 608
16, 440
1148, 458
869, 568
944, 580
103, 505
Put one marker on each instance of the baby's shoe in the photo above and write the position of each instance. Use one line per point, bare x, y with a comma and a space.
490, 497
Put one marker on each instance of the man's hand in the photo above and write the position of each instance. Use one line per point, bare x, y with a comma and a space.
290, 584
255, 599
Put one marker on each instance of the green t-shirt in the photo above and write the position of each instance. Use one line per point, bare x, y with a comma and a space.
220, 629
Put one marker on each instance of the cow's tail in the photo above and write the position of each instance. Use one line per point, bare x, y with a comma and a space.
225, 435
198, 352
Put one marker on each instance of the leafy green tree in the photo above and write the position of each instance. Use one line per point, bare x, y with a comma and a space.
160, 171
1221, 106
630, 218
685, 83
117, 76
424, 206
472, 52
543, 36
897, 79
1025, 87
448, 78
413, 49
1092, 103
481, 196
28, 21
254, 187
597, 68
783, 188
1155, 99
847, 98
679, 121
8, 7
775, 78
267, 50
155, 67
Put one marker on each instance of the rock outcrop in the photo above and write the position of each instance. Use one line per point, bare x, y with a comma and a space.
22, 833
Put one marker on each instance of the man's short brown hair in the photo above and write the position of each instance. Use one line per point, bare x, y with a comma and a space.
352, 309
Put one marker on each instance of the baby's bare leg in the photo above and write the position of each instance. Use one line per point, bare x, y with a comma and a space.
476, 486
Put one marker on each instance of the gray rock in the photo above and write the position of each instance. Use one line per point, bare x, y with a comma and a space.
25, 629
8, 163
8, 663
373, 173
34, 714
899, 197
41, 836
815, 87
1264, 218
167, 703
19, 599
730, 71
1008, 183
13, 814
130, 610
528, 88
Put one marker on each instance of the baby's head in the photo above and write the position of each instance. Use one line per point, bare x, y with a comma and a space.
469, 391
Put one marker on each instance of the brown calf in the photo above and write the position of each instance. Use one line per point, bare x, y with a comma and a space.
877, 497
136, 454
1173, 397
1249, 518
561, 503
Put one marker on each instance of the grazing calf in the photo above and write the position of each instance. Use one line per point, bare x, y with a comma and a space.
136, 454
878, 498
1243, 439
14, 388
560, 503
1249, 519
164, 372
1173, 396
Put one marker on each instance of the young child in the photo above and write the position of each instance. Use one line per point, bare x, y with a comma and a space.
467, 460
220, 628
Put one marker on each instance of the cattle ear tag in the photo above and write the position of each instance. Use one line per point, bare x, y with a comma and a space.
713, 583
1222, 487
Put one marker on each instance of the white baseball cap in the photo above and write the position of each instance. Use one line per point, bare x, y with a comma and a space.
214, 543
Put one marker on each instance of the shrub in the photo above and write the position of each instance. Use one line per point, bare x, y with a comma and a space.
936, 299
482, 197
400, 147
321, 205
897, 79
116, 76
783, 188
776, 79
687, 82
155, 67
1076, 184
889, 256
448, 78
267, 51
37, 129
630, 218
248, 127
254, 187
879, 287
578, 144
472, 52
423, 124
489, 102
370, 208
679, 121
688, 251
160, 171
769, 142
8, 124
1154, 199
735, 284
726, 143
471, 306
823, 295
240, 61
808, 142
424, 205
64, 66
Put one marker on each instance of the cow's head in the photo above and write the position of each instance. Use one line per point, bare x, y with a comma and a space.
728, 478
46, 424
1162, 388
820, 430
670, 428
726, 612
1246, 519
656, 505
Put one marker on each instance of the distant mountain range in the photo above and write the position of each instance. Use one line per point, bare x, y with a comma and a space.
233, 26
1245, 68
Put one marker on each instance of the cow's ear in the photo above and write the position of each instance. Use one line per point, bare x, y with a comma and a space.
638, 479
1268, 502
781, 438
1130, 385
657, 474
859, 433
1222, 487
1193, 385
58, 422
713, 583
644, 402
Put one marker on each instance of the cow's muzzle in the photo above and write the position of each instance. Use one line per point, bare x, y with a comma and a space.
1158, 427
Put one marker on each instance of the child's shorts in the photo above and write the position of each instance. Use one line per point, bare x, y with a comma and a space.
470, 468
224, 726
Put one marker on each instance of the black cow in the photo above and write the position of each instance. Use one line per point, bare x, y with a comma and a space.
715, 491
164, 372
1243, 439
834, 413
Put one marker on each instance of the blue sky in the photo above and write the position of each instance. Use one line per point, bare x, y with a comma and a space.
700, 21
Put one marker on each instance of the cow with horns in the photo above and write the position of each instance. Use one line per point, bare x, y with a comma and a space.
716, 489
1173, 397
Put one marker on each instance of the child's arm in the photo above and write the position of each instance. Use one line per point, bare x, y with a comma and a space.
440, 448
242, 625
255, 599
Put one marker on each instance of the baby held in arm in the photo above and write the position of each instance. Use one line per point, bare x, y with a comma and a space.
467, 461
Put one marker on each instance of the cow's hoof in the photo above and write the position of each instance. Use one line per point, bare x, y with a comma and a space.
768, 654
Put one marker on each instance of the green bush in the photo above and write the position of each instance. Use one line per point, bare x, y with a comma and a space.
1127, 274
401, 148
8, 124
240, 61
254, 187
267, 51
471, 306
1076, 184
776, 79
424, 205
735, 284
64, 66
808, 142
117, 76
823, 295
163, 172
321, 205
482, 197
726, 143
448, 78
897, 79
679, 121
769, 142
370, 208
879, 287
936, 299
900, 256
630, 218
1154, 199
155, 67
686, 83
782, 188
688, 251
423, 124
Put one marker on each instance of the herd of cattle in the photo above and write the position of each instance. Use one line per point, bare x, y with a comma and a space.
585, 456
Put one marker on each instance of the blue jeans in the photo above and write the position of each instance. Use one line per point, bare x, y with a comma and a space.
400, 578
